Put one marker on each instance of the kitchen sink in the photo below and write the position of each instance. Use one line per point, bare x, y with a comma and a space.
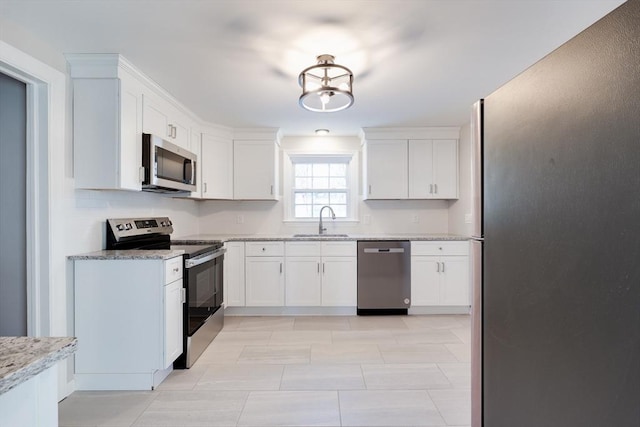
321, 235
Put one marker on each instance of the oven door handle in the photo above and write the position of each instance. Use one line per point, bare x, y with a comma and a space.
193, 262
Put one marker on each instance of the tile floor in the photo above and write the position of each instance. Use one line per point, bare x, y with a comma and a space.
305, 371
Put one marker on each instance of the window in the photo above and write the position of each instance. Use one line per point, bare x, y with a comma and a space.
317, 181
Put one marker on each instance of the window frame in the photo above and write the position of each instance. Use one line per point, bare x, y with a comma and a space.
290, 157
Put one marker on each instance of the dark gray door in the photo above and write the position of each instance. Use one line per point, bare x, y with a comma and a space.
13, 264
562, 235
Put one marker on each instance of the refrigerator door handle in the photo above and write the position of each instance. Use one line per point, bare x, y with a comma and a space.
476, 332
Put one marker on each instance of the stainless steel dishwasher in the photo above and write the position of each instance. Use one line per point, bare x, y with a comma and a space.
384, 277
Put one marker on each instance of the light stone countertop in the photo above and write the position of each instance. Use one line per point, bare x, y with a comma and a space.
22, 358
209, 238
203, 239
119, 254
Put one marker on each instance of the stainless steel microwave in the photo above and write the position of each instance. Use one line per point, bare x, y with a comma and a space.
167, 167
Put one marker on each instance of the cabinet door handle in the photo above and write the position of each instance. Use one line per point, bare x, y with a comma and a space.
205, 187
272, 189
323, 268
369, 189
175, 270
430, 188
172, 131
175, 132
436, 188
183, 295
280, 268
443, 267
437, 267
141, 174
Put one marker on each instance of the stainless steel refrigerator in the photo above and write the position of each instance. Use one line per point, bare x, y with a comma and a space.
556, 258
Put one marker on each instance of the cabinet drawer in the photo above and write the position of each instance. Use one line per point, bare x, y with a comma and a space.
172, 269
339, 249
440, 248
308, 248
264, 249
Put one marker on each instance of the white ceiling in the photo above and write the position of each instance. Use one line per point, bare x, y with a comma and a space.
235, 62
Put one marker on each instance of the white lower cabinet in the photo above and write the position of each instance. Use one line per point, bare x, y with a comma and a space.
264, 281
339, 281
128, 321
303, 281
264, 274
321, 274
440, 274
173, 309
233, 275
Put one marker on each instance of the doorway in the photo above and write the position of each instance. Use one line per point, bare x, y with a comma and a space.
13, 202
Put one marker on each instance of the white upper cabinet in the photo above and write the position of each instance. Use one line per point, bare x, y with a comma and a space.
386, 169
410, 163
162, 119
255, 165
217, 166
113, 104
107, 123
433, 169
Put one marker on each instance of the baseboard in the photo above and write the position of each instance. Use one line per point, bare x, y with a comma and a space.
451, 309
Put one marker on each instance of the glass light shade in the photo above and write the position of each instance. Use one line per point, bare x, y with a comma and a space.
326, 87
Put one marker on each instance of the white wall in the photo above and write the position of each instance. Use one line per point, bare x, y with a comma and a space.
461, 207
382, 216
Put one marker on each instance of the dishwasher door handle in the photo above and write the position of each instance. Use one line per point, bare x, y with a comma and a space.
384, 250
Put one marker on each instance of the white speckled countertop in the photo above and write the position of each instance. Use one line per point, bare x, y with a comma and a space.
208, 238
22, 358
203, 239
129, 254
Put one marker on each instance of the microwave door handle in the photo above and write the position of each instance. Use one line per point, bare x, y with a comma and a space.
187, 165
193, 172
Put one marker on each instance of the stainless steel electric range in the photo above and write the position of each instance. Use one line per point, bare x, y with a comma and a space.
203, 274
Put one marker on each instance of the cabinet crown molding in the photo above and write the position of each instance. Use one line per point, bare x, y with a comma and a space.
273, 134
440, 132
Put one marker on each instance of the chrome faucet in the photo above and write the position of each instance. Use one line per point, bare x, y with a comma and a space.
321, 229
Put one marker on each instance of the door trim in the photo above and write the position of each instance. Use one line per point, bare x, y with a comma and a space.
46, 275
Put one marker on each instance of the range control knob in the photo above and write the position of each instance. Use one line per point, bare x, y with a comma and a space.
128, 226
120, 227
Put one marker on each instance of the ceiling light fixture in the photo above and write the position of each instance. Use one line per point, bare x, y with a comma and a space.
326, 87
322, 132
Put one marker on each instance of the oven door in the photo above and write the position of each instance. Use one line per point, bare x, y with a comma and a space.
203, 318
